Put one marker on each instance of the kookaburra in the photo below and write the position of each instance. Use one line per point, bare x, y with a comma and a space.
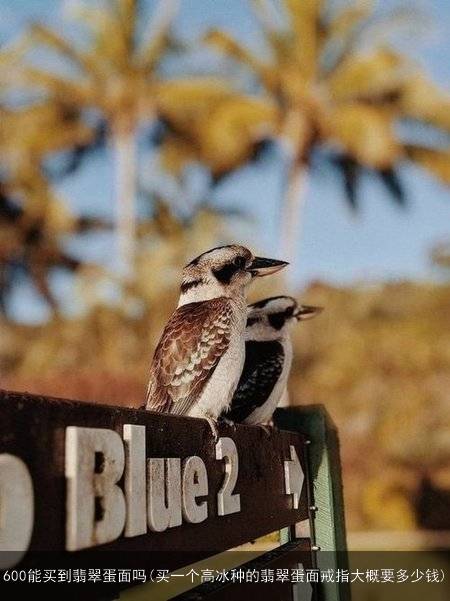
200, 356
268, 358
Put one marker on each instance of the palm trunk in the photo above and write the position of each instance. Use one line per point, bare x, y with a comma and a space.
125, 157
290, 229
291, 213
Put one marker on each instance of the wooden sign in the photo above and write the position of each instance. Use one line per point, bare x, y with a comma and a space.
77, 477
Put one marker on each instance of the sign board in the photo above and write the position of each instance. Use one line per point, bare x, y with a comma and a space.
77, 477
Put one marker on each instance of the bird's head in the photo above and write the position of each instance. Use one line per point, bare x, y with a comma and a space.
223, 271
271, 318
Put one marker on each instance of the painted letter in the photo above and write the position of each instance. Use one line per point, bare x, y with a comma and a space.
195, 484
95, 504
16, 509
227, 502
164, 482
135, 484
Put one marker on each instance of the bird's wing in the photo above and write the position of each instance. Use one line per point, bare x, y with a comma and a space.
264, 363
193, 341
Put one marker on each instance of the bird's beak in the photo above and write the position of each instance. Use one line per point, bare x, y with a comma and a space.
307, 312
260, 267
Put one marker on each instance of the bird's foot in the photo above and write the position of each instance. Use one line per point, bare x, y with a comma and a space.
212, 423
228, 422
268, 428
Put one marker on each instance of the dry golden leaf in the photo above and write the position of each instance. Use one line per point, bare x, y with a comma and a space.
435, 161
175, 153
366, 133
228, 136
58, 217
367, 76
421, 99
349, 18
53, 40
185, 102
232, 48
304, 21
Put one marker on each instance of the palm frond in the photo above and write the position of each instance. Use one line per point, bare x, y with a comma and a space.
78, 153
343, 24
158, 34
267, 15
366, 133
108, 39
367, 76
128, 13
183, 103
393, 185
10, 212
304, 19
31, 78
435, 161
175, 153
422, 100
350, 172
53, 40
228, 138
230, 47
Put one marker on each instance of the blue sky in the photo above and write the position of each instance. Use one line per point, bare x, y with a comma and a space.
380, 242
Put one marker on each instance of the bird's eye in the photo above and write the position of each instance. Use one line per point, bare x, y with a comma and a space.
225, 273
277, 320
251, 321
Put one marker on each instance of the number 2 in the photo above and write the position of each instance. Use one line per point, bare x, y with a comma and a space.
227, 502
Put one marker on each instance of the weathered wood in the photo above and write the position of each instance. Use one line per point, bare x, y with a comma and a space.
33, 428
290, 556
328, 526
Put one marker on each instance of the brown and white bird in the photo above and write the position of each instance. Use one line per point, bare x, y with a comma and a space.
200, 356
268, 358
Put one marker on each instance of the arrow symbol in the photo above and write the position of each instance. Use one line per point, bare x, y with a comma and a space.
293, 476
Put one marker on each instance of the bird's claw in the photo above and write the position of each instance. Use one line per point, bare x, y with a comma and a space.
228, 422
212, 423
268, 428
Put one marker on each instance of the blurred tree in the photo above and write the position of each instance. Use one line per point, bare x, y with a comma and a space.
116, 75
33, 219
24, 149
27, 248
119, 77
333, 92
213, 125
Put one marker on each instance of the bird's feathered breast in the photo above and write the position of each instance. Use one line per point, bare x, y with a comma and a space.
263, 366
194, 339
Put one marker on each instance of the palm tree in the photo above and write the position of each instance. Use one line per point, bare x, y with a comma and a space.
116, 75
212, 124
33, 219
24, 148
333, 93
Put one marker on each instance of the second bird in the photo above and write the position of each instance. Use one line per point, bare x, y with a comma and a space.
268, 358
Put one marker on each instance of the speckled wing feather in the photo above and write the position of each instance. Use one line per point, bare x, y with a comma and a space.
193, 341
263, 366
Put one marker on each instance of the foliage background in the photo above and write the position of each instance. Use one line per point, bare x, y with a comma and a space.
223, 147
